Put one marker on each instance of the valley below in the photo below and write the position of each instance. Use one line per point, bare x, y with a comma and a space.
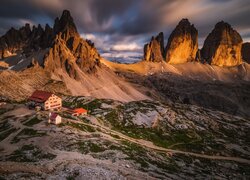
117, 140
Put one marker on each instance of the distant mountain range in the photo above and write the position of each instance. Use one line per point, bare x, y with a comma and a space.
222, 47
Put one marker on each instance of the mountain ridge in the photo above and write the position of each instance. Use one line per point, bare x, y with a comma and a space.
222, 47
68, 60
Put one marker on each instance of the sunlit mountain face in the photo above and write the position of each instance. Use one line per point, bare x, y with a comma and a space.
121, 28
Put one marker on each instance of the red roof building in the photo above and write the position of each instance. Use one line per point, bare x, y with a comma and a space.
40, 96
46, 100
77, 112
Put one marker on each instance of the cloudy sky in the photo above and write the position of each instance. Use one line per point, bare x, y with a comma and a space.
120, 28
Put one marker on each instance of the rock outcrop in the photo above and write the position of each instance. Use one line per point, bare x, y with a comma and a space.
154, 51
222, 47
245, 51
182, 44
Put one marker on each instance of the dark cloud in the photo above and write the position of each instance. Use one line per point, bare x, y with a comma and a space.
104, 10
121, 22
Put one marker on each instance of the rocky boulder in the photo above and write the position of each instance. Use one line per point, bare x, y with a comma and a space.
222, 47
245, 51
154, 51
182, 44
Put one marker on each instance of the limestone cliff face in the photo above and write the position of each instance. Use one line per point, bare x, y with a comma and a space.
222, 47
245, 51
182, 44
154, 51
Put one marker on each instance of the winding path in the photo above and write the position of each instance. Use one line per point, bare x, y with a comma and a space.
150, 145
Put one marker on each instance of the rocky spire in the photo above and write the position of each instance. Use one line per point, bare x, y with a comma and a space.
47, 37
25, 31
245, 51
154, 51
182, 44
66, 26
69, 50
222, 47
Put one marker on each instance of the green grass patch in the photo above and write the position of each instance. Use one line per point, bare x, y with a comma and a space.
81, 127
2, 111
33, 121
29, 153
91, 106
4, 125
6, 133
86, 147
27, 133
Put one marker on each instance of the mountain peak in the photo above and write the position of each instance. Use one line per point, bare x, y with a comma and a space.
66, 14
222, 47
184, 21
182, 44
65, 25
222, 24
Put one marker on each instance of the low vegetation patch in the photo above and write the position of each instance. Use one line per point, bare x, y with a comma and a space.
2, 111
81, 127
29, 153
6, 133
27, 133
5, 125
88, 146
33, 121
5, 129
91, 106
146, 158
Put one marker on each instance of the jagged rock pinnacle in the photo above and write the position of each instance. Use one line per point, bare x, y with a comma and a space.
154, 51
65, 25
222, 47
182, 44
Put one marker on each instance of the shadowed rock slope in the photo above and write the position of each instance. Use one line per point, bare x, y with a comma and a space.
245, 51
